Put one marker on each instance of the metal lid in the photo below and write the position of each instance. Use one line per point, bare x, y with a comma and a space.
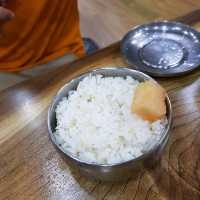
162, 49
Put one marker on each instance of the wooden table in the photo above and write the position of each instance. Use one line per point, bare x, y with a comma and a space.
31, 167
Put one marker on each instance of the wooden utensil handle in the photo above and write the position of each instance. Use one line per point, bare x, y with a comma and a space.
189, 18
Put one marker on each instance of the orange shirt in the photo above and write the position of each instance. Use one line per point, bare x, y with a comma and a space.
40, 31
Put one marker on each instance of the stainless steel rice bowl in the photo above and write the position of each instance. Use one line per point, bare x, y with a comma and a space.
109, 172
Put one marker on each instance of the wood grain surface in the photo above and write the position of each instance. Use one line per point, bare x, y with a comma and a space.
32, 168
107, 21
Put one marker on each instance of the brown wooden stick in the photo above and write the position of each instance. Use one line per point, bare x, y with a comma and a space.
190, 18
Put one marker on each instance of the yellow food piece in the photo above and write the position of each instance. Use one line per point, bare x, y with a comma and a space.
149, 101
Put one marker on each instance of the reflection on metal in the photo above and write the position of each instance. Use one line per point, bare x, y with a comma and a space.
162, 48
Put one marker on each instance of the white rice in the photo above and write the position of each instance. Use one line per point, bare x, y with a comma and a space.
96, 125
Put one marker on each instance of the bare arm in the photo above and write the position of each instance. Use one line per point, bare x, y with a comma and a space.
5, 14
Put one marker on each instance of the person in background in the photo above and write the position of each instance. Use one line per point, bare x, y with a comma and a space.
33, 32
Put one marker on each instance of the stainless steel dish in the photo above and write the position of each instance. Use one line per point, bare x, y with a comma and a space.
115, 172
162, 48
